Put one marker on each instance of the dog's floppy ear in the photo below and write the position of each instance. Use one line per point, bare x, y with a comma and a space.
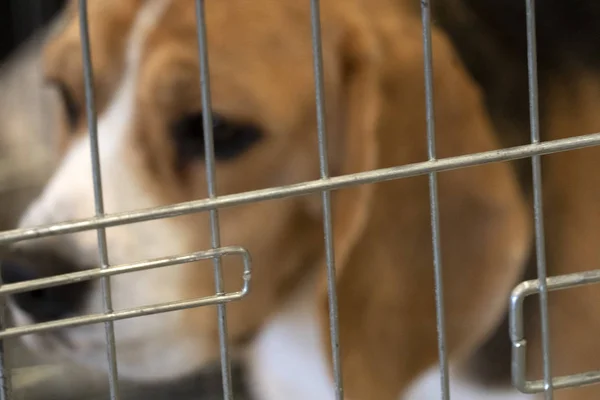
353, 147
353, 143
382, 232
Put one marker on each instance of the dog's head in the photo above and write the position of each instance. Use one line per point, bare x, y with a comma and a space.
149, 111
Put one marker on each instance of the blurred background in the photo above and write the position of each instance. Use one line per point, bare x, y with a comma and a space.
20, 18
26, 160
24, 149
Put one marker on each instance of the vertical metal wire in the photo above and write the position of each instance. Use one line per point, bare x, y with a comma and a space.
98, 198
537, 195
211, 186
5, 372
434, 201
326, 196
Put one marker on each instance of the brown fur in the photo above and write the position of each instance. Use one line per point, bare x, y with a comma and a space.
569, 100
571, 196
374, 298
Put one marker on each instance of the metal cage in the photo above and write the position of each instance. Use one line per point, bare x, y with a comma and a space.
324, 186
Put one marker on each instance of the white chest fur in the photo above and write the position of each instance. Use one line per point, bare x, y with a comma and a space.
287, 361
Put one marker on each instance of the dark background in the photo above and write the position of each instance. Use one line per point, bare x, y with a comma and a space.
20, 18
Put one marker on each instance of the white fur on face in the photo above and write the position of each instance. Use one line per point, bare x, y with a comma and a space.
148, 347
287, 361
428, 387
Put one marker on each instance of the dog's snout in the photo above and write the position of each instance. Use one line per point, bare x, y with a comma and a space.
45, 304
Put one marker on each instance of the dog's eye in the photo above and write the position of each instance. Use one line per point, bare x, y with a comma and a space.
231, 138
71, 107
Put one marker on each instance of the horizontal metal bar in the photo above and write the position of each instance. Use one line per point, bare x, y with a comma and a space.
305, 188
141, 311
125, 314
95, 273
563, 382
519, 342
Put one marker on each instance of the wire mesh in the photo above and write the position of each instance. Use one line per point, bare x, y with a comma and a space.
102, 273
302, 189
517, 332
324, 185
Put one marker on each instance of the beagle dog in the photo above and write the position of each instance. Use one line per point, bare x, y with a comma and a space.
149, 105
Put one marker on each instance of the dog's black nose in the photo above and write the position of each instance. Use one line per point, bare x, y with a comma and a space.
49, 303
